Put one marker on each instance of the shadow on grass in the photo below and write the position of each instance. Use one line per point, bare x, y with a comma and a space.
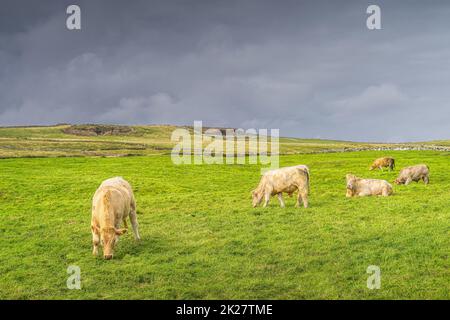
147, 245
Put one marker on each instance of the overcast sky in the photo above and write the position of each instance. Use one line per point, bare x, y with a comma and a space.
309, 68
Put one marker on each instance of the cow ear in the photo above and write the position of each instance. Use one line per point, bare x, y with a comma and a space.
120, 232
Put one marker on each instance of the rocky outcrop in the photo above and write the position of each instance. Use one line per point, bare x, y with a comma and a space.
97, 130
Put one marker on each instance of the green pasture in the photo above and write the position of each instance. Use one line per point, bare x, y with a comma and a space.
201, 239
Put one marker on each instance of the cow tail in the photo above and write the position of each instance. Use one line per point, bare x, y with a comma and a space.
307, 179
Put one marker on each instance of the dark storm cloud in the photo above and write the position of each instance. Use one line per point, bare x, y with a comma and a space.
310, 68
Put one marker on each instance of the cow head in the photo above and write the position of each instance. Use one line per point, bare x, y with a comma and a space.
398, 181
108, 238
256, 198
350, 182
372, 167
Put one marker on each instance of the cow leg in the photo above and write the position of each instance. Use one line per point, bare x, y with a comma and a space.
349, 193
426, 179
408, 181
95, 242
125, 225
266, 199
133, 219
280, 197
304, 196
135, 225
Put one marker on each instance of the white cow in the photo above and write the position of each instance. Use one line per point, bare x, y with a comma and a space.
289, 180
113, 202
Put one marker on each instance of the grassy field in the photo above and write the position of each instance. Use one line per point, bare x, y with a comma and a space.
202, 240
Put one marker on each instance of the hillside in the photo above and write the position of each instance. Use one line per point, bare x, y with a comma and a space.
114, 141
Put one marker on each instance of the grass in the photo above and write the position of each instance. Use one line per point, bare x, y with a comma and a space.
202, 240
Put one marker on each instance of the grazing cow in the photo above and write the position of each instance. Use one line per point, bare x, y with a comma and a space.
381, 163
367, 187
289, 180
113, 202
413, 173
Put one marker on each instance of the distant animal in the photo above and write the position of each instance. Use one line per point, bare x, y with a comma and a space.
112, 203
289, 180
413, 173
367, 187
384, 162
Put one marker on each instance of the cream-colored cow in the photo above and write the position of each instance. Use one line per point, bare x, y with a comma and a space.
381, 163
413, 173
367, 187
289, 180
113, 202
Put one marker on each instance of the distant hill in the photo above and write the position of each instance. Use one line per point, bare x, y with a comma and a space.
67, 140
